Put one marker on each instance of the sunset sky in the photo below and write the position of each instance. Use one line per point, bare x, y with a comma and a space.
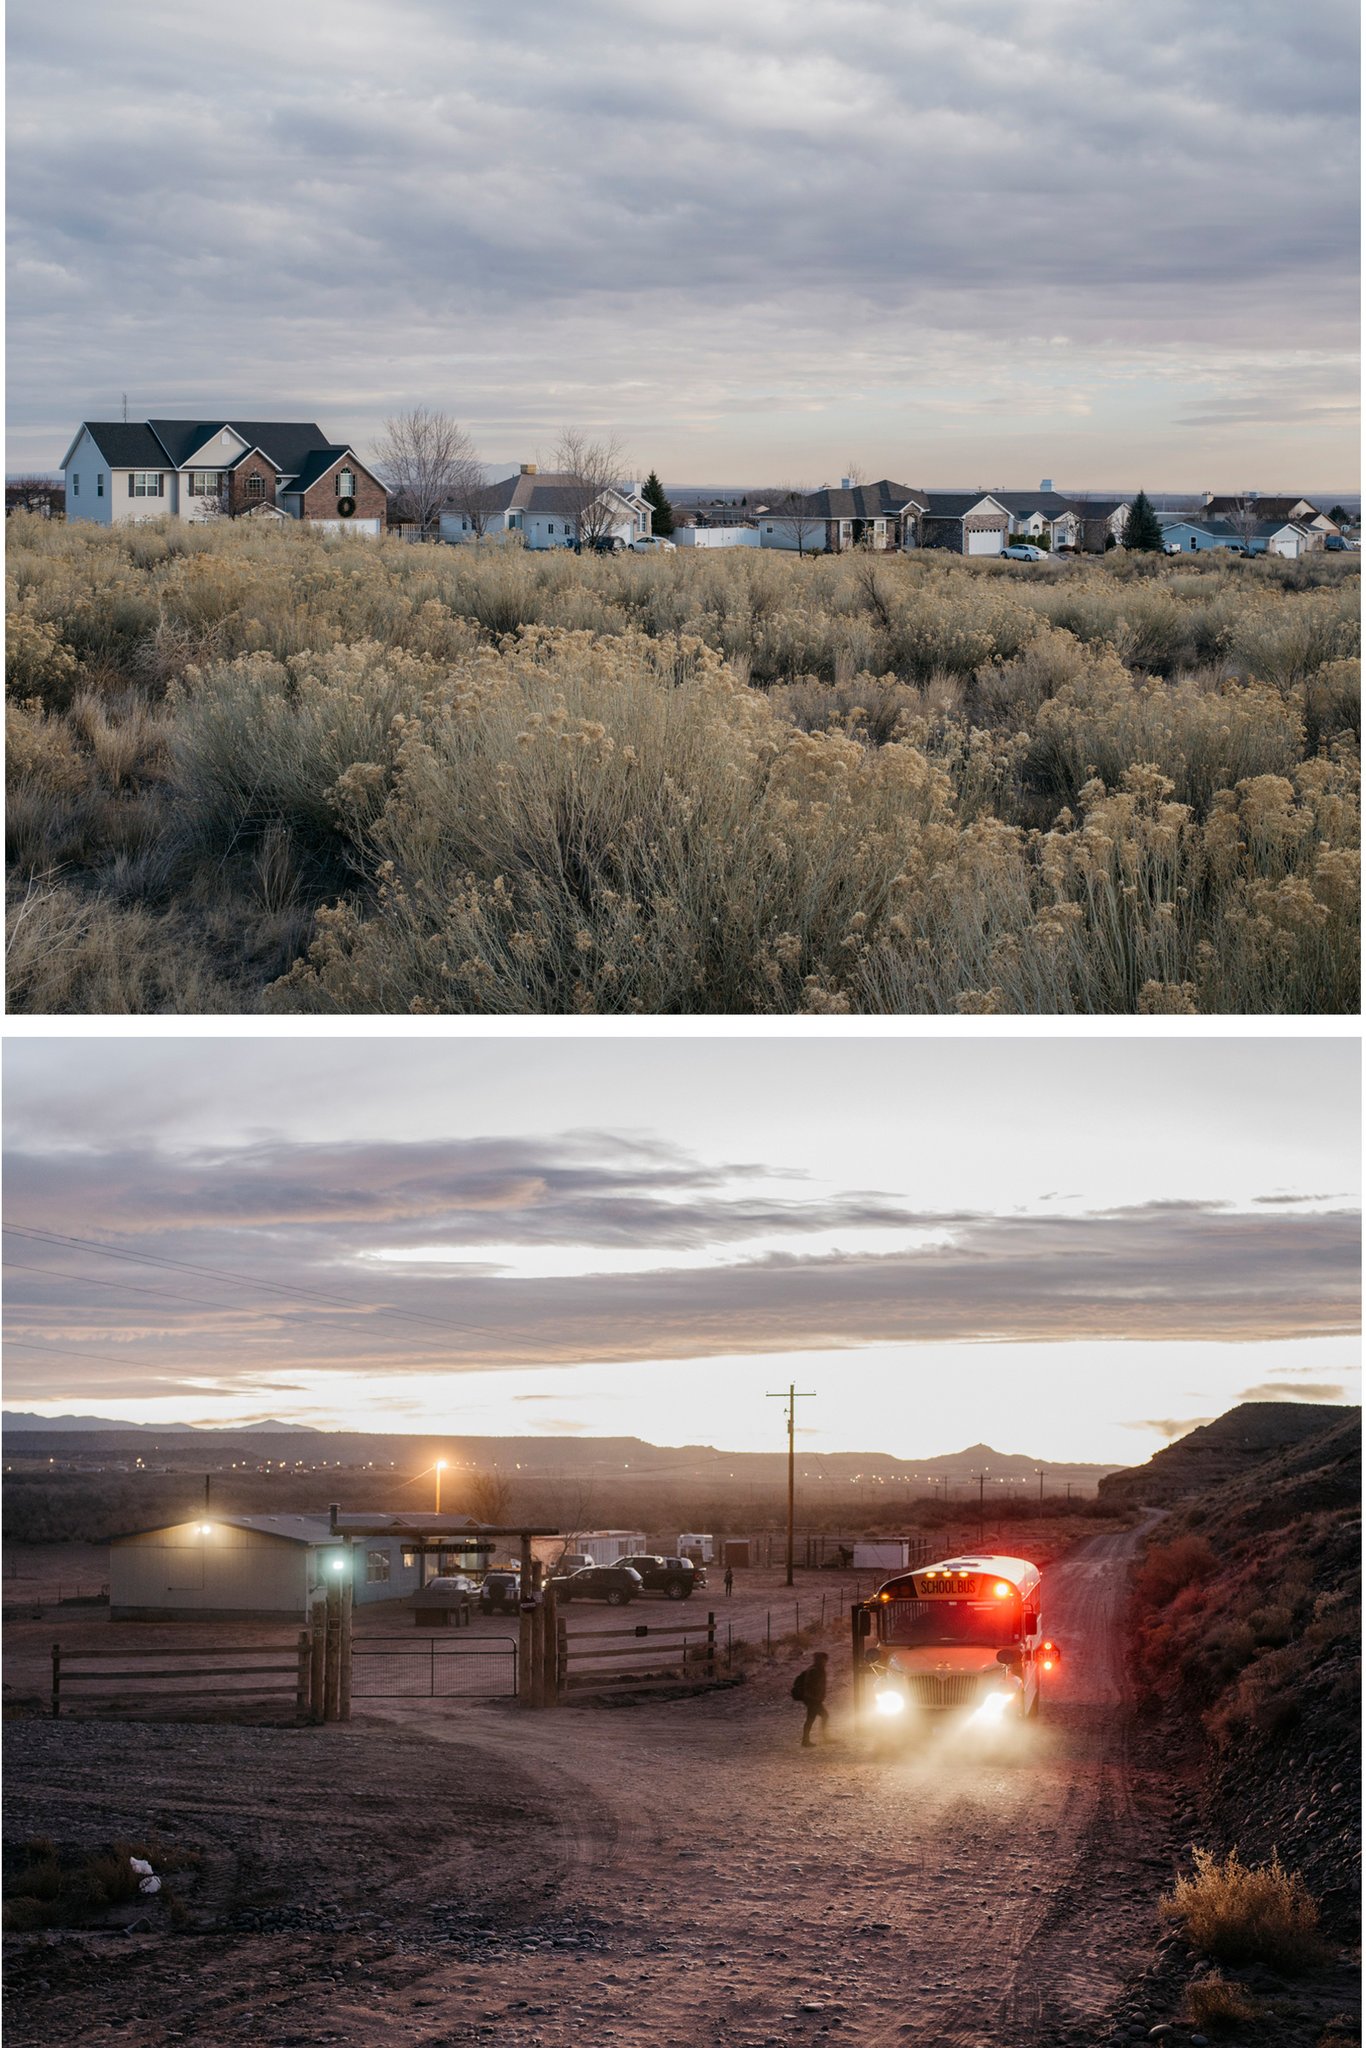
1074, 1248
1111, 246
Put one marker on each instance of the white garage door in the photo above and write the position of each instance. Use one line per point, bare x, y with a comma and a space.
986, 543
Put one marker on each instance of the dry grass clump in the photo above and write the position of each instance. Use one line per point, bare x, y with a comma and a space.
1240, 1914
1215, 2003
482, 779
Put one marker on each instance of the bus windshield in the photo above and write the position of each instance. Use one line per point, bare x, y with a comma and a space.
911, 1622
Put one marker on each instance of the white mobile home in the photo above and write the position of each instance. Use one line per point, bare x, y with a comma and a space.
249, 1568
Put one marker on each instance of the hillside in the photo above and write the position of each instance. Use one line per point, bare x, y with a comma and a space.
1245, 1626
1227, 1449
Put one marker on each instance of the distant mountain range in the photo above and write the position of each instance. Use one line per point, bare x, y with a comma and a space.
18, 1419
617, 1461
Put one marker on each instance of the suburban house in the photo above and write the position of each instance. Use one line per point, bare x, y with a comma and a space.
1042, 516
881, 515
1102, 522
965, 523
207, 469
546, 511
248, 1568
1269, 536
1298, 511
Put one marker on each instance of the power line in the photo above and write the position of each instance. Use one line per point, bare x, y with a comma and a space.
297, 1294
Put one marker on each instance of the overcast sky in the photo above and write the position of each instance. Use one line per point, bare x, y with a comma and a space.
1106, 245
1070, 1248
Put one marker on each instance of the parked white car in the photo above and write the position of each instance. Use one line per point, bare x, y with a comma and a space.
1021, 551
652, 544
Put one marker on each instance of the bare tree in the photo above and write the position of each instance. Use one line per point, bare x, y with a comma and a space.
469, 496
1243, 516
590, 472
423, 456
488, 1497
794, 507
35, 494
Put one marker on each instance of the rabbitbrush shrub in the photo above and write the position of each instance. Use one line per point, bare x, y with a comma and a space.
256, 769
1238, 1913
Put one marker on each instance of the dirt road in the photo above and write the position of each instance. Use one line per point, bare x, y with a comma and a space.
679, 1874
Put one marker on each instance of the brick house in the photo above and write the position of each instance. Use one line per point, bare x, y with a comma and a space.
965, 523
117, 471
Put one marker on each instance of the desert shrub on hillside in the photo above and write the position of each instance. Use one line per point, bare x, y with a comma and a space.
486, 779
1238, 1914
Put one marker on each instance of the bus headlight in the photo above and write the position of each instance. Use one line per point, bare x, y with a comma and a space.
889, 1702
993, 1708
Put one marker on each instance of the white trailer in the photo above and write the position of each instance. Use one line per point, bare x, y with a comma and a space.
893, 1554
706, 1544
605, 1546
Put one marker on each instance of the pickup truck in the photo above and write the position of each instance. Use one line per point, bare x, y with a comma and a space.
677, 1578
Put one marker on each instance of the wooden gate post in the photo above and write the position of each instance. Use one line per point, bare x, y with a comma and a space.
548, 1690
525, 1619
561, 1657
56, 1681
332, 1666
301, 1684
317, 1659
711, 1646
856, 1636
344, 1656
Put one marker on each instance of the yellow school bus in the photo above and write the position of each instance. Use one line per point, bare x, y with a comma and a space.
962, 1636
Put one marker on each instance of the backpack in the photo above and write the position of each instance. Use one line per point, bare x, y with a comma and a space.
799, 1687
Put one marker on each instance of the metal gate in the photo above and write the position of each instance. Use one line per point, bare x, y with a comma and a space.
384, 1668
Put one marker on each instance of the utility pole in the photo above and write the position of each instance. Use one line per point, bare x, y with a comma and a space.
981, 1478
792, 1397
1040, 1470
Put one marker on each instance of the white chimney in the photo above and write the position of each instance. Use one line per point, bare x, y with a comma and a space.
846, 483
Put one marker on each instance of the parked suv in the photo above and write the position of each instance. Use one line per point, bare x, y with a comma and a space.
614, 1583
675, 1577
501, 1593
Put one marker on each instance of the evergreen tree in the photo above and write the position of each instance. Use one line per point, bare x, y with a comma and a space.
1142, 534
652, 491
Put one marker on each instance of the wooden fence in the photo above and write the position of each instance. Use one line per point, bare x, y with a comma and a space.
635, 1658
228, 1671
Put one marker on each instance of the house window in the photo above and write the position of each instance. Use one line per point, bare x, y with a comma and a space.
550, 528
75, 485
256, 486
410, 1560
144, 483
346, 484
376, 1567
205, 483
99, 483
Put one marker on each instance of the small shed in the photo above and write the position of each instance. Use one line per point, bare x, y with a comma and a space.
247, 1568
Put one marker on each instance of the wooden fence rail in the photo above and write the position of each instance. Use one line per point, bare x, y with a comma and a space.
688, 1650
167, 1674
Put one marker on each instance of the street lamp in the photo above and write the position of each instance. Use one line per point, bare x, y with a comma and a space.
440, 1468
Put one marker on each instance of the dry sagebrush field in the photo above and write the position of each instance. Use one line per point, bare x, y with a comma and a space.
255, 770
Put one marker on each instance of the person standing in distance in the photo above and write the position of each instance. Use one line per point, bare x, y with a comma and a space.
809, 1687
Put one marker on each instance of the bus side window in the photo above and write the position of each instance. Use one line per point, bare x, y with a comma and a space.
1031, 1621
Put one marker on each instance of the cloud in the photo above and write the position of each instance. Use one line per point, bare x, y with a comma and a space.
438, 203
277, 1240
1294, 1390
1170, 1426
